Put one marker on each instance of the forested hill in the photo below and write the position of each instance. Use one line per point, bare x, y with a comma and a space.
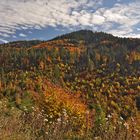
87, 37
99, 38
82, 85
98, 47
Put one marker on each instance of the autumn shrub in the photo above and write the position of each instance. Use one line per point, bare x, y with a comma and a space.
61, 107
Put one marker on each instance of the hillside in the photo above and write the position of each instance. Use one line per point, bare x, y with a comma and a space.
82, 85
99, 38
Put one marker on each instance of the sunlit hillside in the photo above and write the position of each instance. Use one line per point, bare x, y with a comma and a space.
80, 86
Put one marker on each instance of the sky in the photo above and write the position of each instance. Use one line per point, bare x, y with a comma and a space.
45, 19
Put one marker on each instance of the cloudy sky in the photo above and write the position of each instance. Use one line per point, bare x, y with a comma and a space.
45, 19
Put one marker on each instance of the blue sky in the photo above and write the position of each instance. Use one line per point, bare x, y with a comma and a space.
45, 19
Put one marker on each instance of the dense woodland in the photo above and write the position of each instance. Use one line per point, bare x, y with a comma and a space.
83, 85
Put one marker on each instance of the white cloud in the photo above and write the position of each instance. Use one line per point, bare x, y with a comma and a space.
22, 35
133, 35
97, 19
30, 32
126, 16
14, 36
38, 14
3, 41
4, 34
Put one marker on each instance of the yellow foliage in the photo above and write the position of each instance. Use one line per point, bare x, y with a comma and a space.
59, 104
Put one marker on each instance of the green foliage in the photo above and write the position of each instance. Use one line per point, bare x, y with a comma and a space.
100, 116
56, 72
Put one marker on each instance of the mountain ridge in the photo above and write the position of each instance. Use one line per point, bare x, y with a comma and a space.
88, 36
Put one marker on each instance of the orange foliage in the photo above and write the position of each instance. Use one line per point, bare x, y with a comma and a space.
133, 56
65, 43
66, 98
60, 104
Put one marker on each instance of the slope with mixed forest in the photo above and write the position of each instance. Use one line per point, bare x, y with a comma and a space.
80, 85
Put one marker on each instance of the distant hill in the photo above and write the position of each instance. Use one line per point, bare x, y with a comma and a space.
21, 44
99, 43
99, 38
87, 36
